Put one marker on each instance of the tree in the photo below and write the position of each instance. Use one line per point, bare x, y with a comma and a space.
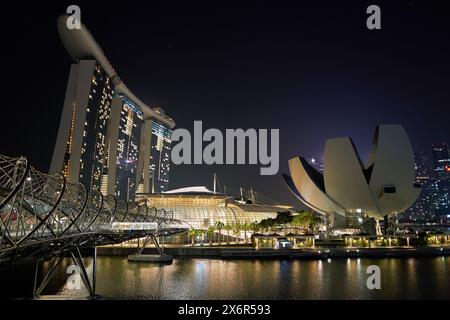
308, 221
200, 232
255, 227
245, 227
267, 223
283, 218
237, 230
192, 234
300, 220
228, 227
314, 222
210, 234
219, 225
263, 224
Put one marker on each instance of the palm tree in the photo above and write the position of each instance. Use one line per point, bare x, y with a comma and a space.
210, 234
245, 227
192, 234
237, 230
219, 226
200, 232
228, 227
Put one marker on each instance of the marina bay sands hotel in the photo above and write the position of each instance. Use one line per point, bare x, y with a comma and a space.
108, 139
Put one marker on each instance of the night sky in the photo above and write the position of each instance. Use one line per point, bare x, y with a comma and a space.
311, 69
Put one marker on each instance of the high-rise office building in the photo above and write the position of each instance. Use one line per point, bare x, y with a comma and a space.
422, 165
422, 209
108, 139
441, 184
441, 160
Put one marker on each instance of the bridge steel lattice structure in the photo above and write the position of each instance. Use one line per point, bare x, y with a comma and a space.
44, 216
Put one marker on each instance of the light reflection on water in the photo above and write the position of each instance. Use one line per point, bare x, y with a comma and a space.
411, 278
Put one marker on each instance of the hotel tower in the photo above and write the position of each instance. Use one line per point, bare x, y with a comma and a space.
108, 139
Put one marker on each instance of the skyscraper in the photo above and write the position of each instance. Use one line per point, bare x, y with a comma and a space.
123, 150
422, 209
441, 160
441, 187
108, 139
160, 156
82, 132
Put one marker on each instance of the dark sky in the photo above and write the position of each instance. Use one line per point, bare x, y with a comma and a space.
310, 68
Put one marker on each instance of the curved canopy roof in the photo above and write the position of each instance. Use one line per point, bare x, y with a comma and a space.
194, 189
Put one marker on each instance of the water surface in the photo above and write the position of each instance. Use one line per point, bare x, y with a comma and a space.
411, 278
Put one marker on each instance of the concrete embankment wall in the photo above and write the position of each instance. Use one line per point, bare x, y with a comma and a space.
251, 253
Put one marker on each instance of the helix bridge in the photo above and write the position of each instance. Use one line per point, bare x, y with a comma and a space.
43, 216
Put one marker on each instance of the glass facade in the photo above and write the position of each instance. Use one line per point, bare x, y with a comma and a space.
128, 142
433, 174
422, 209
93, 151
441, 185
161, 146
108, 139
203, 211
66, 161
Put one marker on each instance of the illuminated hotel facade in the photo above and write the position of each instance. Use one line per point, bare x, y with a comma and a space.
108, 139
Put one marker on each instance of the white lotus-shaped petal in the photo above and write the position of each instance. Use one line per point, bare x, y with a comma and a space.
384, 187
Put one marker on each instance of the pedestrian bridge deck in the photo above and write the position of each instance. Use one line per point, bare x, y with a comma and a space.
43, 215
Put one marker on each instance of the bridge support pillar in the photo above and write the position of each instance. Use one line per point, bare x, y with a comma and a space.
37, 290
94, 272
158, 247
78, 259
76, 255
161, 257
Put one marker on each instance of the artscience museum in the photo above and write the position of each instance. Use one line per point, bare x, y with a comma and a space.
350, 193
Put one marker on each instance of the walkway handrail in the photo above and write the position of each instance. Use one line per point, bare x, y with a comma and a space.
41, 214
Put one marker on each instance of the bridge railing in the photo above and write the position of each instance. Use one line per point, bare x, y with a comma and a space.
37, 207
